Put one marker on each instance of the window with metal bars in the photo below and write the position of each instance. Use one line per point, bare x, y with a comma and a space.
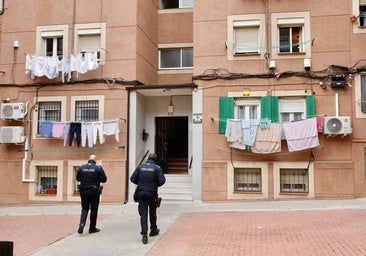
294, 180
87, 110
47, 180
247, 179
49, 111
75, 183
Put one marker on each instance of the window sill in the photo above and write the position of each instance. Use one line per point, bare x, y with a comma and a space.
291, 53
294, 193
246, 54
247, 192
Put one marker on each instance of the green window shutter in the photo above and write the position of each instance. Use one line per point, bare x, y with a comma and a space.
226, 111
269, 108
310, 106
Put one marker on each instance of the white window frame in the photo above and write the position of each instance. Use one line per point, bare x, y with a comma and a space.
234, 50
43, 32
277, 166
99, 98
356, 13
91, 29
291, 105
176, 47
182, 4
294, 19
358, 96
33, 196
35, 112
247, 103
234, 195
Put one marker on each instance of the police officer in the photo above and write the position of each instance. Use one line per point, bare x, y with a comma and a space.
148, 177
90, 176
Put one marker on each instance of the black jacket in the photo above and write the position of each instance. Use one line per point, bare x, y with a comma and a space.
90, 175
148, 176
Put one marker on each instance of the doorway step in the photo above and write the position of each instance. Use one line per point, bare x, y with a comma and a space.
177, 165
177, 187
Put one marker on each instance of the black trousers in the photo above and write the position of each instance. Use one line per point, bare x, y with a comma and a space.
75, 128
147, 206
89, 200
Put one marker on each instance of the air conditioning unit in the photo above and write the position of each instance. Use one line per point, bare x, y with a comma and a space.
12, 134
13, 110
337, 125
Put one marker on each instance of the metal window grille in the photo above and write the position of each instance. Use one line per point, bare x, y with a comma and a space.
47, 180
75, 183
247, 179
294, 180
48, 111
87, 110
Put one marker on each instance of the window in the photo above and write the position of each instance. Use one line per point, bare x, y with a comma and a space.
47, 180
363, 93
362, 13
291, 34
290, 39
294, 180
284, 109
52, 40
292, 109
169, 4
91, 38
176, 58
247, 179
48, 111
246, 37
87, 110
246, 34
247, 109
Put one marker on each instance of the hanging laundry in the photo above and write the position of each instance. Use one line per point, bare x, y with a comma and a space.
301, 135
233, 131
250, 128
66, 133
268, 140
75, 130
46, 129
98, 131
110, 127
319, 123
58, 129
87, 133
51, 66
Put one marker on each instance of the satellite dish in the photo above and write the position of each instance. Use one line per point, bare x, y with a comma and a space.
334, 125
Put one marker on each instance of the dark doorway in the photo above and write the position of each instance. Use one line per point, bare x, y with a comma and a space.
171, 144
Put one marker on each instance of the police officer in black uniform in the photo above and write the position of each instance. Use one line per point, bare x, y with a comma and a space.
148, 177
90, 176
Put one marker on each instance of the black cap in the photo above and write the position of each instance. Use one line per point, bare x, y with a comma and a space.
153, 156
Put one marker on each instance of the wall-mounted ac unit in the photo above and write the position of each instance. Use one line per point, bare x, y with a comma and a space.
12, 134
13, 110
337, 125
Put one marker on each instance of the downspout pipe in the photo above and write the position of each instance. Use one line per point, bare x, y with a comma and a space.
127, 147
25, 161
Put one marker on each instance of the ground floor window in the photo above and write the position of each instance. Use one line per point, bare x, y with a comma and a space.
46, 180
247, 179
294, 180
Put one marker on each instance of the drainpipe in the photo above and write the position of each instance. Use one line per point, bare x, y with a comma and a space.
127, 147
25, 160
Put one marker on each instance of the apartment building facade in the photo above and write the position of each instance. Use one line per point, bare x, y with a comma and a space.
121, 79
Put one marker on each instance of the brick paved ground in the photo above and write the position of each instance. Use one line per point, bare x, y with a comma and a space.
30, 232
329, 232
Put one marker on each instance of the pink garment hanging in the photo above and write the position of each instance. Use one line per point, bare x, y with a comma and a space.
301, 135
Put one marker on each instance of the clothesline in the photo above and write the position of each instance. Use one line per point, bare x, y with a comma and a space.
68, 122
225, 119
70, 150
